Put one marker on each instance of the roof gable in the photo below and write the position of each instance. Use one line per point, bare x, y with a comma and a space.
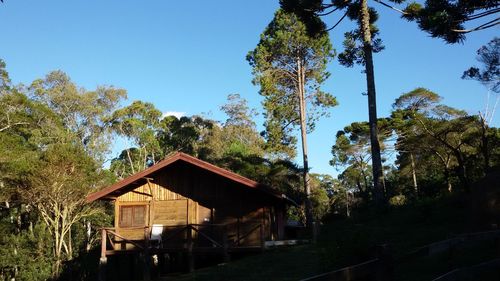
179, 156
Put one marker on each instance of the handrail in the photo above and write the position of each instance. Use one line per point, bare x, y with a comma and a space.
125, 239
447, 244
247, 234
458, 272
210, 224
175, 230
206, 236
181, 229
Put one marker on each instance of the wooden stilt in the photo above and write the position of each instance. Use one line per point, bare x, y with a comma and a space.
225, 244
146, 258
103, 261
190, 249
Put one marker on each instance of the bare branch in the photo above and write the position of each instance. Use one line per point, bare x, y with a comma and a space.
483, 14
481, 27
391, 7
340, 20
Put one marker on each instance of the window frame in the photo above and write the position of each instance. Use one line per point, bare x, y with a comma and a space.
131, 224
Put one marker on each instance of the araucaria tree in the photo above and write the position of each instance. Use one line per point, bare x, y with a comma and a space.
289, 65
359, 46
441, 18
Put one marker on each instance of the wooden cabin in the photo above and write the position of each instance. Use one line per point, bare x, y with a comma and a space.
186, 203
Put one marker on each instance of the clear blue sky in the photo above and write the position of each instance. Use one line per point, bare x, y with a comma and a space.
187, 56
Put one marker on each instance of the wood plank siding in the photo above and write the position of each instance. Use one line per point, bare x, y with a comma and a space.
188, 191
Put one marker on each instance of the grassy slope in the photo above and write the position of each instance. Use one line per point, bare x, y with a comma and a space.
347, 242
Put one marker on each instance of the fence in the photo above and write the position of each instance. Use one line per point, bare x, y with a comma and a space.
381, 267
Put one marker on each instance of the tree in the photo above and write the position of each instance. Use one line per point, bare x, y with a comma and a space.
323, 189
446, 19
190, 135
239, 132
352, 152
359, 46
489, 57
438, 128
441, 18
57, 188
84, 113
289, 65
489, 75
139, 123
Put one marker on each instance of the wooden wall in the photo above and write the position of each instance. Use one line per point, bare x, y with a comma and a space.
184, 194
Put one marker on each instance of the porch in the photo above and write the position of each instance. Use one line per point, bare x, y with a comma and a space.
190, 239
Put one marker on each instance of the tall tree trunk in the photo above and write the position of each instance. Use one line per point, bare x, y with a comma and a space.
89, 236
484, 145
130, 161
378, 184
303, 134
414, 173
70, 244
462, 171
448, 182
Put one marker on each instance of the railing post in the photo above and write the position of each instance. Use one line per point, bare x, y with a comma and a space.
225, 244
147, 258
385, 271
103, 260
190, 249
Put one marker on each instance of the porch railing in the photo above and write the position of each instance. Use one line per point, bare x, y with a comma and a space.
191, 238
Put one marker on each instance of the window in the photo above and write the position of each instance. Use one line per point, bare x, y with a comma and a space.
131, 216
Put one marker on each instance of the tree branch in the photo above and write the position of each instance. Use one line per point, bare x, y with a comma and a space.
481, 27
340, 20
391, 7
483, 14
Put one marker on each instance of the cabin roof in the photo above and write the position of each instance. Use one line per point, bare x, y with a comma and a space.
120, 187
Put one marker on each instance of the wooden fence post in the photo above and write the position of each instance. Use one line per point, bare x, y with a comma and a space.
385, 270
103, 261
190, 249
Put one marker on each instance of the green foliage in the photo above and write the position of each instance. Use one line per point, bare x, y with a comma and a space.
320, 203
52, 142
184, 134
83, 113
489, 57
25, 255
446, 19
447, 144
138, 123
352, 155
398, 200
288, 60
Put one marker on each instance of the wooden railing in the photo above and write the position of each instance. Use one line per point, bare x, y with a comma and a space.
381, 267
469, 273
191, 238
451, 244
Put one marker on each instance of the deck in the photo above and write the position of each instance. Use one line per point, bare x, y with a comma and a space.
191, 239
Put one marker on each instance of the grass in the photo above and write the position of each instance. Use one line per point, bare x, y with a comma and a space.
281, 264
349, 241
